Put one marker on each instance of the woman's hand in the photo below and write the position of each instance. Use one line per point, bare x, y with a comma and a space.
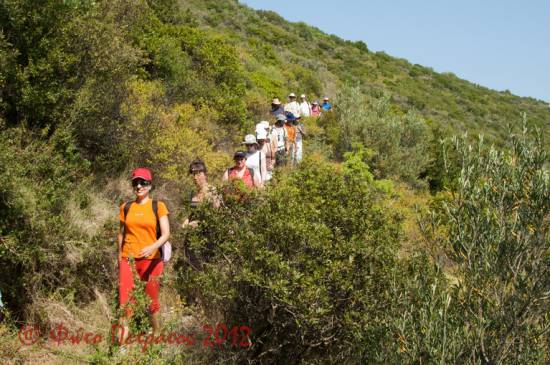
188, 223
148, 251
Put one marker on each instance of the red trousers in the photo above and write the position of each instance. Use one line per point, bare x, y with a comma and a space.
147, 270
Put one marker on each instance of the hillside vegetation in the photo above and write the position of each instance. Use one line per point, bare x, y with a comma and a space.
281, 55
396, 240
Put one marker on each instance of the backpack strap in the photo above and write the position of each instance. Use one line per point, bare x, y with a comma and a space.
127, 206
156, 211
126, 209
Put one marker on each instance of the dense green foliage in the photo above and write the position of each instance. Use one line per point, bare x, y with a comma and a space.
315, 264
308, 265
496, 231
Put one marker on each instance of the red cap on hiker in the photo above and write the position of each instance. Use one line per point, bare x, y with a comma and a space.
142, 173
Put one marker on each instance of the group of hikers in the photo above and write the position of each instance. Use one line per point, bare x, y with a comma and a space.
275, 145
144, 227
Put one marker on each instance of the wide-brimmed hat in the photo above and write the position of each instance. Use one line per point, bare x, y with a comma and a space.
142, 173
315, 102
325, 98
303, 96
264, 124
291, 95
250, 139
261, 134
276, 101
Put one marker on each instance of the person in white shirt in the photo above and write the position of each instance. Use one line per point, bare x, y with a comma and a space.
255, 159
279, 135
305, 107
292, 106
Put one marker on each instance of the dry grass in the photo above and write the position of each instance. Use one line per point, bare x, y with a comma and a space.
97, 317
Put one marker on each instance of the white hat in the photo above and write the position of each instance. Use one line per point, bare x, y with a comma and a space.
261, 134
303, 95
291, 95
325, 98
276, 101
250, 139
264, 124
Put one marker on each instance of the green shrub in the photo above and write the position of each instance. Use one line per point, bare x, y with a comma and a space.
399, 142
308, 266
495, 231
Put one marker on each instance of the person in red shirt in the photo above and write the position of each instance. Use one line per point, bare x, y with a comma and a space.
240, 171
138, 239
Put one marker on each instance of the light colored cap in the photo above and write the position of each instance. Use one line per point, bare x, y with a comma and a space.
303, 95
276, 101
250, 139
280, 118
325, 98
261, 134
291, 95
262, 126
315, 102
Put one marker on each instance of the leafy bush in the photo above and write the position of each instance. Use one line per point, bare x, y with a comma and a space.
495, 231
39, 247
399, 142
308, 266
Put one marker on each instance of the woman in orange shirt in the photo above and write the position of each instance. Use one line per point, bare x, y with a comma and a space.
138, 238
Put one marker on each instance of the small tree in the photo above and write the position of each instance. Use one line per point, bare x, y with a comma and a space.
497, 235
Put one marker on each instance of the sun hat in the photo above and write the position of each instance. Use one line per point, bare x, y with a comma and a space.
261, 134
250, 139
239, 155
276, 101
142, 173
291, 95
325, 98
303, 95
263, 125
315, 102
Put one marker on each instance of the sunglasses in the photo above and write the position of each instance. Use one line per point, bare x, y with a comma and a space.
141, 182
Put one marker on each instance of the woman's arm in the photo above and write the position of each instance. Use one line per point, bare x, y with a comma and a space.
258, 181
225, 176
164, 235
263, 165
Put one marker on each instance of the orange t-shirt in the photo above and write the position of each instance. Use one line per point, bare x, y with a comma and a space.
140, 228
290, 132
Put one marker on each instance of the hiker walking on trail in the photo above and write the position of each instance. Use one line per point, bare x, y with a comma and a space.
267, 146
292, 106
255, 158
276, 107
326, 105
300, 134
291, 135
280, 136
240, 172
315, 109
144, 228
205, 192
305, 107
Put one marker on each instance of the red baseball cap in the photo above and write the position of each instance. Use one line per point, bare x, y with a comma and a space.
142, 173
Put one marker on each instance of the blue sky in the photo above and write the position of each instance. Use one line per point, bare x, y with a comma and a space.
502, 44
